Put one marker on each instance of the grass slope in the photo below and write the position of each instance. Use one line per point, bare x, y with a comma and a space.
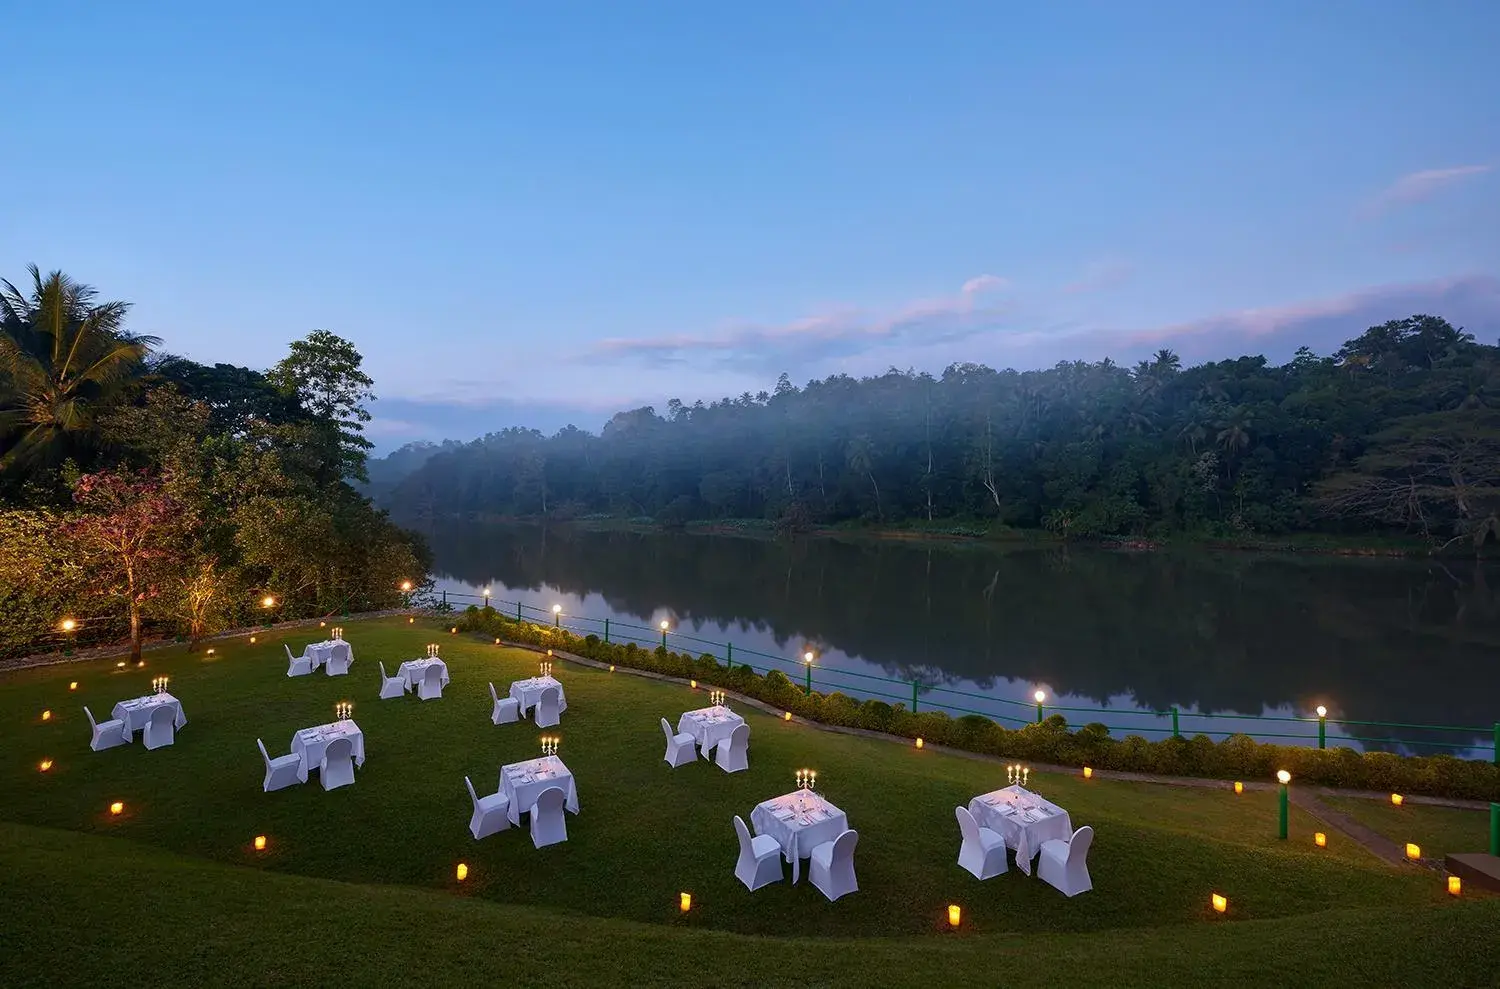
1439, 830
178, 867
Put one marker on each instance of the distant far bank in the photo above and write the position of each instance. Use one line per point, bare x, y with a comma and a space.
975, 533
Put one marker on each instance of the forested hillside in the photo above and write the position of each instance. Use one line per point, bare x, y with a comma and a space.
1397, 432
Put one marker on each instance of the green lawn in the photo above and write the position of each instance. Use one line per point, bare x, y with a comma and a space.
178, 866
1439, 830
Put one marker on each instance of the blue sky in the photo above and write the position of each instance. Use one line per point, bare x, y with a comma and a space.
541, 213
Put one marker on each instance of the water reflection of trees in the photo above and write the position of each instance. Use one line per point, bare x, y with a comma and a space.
1379, 640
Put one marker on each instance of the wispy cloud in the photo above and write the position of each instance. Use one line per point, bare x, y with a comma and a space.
1100, 276
978, 306
1418, 186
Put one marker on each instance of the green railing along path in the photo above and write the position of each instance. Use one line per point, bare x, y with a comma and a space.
811, 673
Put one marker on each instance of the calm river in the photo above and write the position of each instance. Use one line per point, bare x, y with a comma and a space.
1134, 633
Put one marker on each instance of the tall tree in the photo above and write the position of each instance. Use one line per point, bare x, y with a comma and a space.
323, 372
63, 356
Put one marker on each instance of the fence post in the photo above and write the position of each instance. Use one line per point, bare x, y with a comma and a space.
914, 697
1497, 747
1175, 732
445, 599
1495, 829
808, 689
1322, 731
729, 654
518, 611
606, 630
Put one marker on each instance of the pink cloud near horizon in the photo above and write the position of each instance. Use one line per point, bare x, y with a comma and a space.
1418, 186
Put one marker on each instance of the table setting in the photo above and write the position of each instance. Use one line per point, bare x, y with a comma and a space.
523, 782
308, 743
1023, 818
709, 725
800, 820
136, 711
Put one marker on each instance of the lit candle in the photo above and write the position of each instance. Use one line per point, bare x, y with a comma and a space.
260, 843
1455, 885
1221, 903
685, 902
1320, 839
954, 913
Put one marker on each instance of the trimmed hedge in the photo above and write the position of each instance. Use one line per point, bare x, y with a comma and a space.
1237, 757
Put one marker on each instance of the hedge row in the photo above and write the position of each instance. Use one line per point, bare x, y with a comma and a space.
1237, 757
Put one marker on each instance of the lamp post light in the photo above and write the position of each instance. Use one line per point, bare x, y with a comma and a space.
268, 602
1322, 726
486, 594
557, 616
1283, 777
664, 626
406, 594
1039, 696
68, 626
807, 660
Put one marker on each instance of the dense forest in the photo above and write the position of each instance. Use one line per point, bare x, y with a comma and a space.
145, 493
1398, 432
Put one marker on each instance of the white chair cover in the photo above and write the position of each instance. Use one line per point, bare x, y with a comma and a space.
760, 858
431, 687
504, 711
548, 709
282, 771
831, 866
159, 730
548, 825
337, 767
983, 850
297, 666
338, 662
734, 751
1064, 866
489, 812
390, 686
680, 750
106, 734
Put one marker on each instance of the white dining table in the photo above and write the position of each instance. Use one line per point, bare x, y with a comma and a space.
708, 726
799, 821
1023, 819
523, 782
322, 652
413, 670
137, 711
309, 744
529, 691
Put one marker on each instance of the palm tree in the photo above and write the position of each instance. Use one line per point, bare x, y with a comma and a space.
61, 356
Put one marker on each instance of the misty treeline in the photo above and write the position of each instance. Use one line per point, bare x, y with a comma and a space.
1398, 432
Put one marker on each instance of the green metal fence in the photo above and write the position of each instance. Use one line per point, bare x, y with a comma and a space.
929, 696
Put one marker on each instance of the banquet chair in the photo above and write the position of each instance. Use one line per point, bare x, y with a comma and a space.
390, 686
160, 729
431, 687
549, 708
337, 767
489, 812
983, 850
680, 750
297, 666
548, 825
282, 771
832, 866
760, 858
505, 711
734, 752
106, 734
1063, 865
338, 661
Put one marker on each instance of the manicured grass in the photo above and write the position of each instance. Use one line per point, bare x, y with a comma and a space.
646, 832
1439, 830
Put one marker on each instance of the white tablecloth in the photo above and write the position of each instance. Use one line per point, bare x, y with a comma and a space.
1024, 819
137, 711
320, 652
799, 821
413, 670
523, 782
528, 692
708, 725
309, 743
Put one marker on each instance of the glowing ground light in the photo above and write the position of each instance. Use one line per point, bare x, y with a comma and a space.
611, 669
116, 809
1413, 852
46, 715
1455, 885
1320, 839
120, 665
210, 652
919, 743
453, 630
1088, 772
1397, 799
268, 602
684, 902
69, 624
73, 685
462, 872
1239, 787
322, 624
252, 640
954, 914
260, 843
693, 684
1221, 903
45, 765
786, 716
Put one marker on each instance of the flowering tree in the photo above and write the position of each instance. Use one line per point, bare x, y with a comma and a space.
129, 531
